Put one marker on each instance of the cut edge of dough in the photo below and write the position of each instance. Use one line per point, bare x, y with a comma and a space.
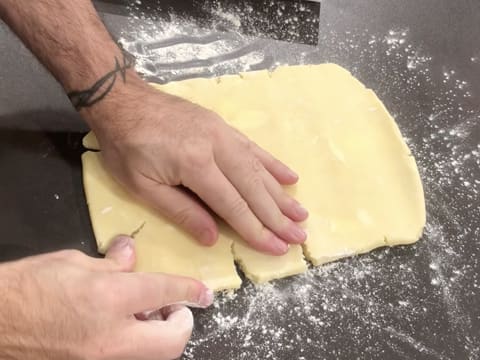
317, 261
272, 275
101, 248
90, 141
219, 285
416, 176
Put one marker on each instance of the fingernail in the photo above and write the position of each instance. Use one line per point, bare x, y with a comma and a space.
299, 233
206, 298
189, 304
281, 246
301, 211
204, 301
122, 245
207, 237
292, 174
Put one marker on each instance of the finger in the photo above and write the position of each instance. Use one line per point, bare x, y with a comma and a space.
281, 172
288, 205
217, 191
160, 314
181, 209
247, 177
133, 293
122, 253
119, 257
162, 339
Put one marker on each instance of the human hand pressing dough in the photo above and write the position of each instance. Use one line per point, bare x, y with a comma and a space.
153, 142
66, 305
167, 142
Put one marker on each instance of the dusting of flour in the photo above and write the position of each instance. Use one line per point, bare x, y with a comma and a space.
417, 298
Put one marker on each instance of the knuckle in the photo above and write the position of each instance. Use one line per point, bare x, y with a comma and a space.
214, 127
245, 144
182, 216
256, 165
238, 208
235, 137
197, 156
217, 133
255, 183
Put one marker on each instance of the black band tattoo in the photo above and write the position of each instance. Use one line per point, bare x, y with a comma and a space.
89, 97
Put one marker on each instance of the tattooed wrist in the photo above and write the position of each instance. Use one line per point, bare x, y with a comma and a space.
98, 91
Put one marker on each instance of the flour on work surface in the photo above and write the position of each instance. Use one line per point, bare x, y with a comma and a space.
416, 298
179, 48
174, 50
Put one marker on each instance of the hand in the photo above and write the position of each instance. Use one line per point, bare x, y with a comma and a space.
153, 142
66, 305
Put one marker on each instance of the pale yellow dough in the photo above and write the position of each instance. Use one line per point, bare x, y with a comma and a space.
161, 246
358, 177
90, 141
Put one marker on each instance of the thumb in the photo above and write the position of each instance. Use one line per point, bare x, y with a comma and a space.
122, 253
165, 338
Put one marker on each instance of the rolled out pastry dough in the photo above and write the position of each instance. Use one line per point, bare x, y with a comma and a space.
357, 176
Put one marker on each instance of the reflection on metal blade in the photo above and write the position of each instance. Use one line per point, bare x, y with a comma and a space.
286, 20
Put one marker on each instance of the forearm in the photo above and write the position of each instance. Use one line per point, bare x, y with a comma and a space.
67, 36
10, 318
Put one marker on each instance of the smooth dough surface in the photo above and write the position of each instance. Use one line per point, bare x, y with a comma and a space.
357, 176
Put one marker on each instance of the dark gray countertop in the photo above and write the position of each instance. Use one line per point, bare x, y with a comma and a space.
418, 302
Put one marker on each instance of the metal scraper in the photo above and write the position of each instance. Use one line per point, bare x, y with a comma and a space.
287, 20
